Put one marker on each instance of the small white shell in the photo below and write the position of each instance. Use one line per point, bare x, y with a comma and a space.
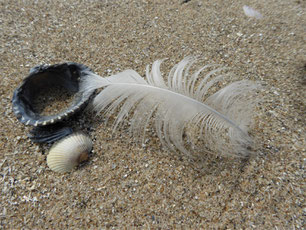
69, 152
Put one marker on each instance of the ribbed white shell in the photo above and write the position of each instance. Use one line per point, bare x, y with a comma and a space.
64, 155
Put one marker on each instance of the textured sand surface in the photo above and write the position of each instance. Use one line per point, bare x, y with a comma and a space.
127, 185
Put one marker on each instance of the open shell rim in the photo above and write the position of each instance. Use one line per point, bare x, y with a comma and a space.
22, 106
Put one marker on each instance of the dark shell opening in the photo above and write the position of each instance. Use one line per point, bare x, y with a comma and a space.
66, 76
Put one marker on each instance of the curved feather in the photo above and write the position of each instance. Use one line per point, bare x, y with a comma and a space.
179, 107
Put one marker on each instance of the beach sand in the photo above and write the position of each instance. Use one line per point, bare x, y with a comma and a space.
125, 184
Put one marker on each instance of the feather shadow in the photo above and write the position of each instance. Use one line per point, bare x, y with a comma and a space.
181, 108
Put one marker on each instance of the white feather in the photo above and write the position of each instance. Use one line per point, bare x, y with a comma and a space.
181, 104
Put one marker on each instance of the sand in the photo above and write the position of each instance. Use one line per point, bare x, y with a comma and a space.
148, 187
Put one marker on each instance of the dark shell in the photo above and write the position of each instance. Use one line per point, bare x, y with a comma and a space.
49, 134
66, 75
